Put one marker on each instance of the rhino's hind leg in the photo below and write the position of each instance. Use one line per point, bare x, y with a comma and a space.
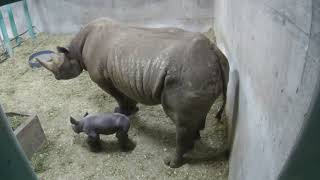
187, 131
189, 114
185, 138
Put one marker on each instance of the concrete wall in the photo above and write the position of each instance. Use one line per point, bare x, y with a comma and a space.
273, 47
68, 16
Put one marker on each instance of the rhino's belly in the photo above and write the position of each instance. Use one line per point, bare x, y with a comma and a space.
139, 79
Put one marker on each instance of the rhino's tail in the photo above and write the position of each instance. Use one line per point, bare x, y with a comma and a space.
221, 58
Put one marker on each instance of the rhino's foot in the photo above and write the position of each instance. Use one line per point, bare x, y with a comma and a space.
134, 110
94, 145
219, 117
227, 153
95, 148
173, 161
128, 146
197, 136
127, 111
117, 110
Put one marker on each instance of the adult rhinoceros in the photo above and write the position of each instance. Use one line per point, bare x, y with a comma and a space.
179, 69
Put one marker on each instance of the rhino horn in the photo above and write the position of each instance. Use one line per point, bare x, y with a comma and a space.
73, 121
48, 65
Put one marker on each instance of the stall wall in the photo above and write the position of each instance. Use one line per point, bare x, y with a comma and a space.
273, 47
68, 16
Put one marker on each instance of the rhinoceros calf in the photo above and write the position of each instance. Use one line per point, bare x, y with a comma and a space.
179, 69
103, 123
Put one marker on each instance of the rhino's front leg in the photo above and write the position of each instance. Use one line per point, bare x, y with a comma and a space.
126, 106
94, 142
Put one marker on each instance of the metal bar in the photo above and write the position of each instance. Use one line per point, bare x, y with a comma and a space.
4, 2
28, 19
5, 36
13, 24
14, 163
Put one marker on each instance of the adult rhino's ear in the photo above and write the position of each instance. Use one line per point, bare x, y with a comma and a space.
62, 50
86, 114
73, 121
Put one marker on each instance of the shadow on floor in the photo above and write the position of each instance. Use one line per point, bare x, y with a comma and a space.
201, 153
159, 134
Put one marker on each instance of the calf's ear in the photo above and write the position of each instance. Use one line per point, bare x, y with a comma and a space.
73, 121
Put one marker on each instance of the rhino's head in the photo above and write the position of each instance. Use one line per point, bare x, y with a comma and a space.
64, 66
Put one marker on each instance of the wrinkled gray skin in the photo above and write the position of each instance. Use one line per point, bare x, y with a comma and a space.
181, 70
103, 123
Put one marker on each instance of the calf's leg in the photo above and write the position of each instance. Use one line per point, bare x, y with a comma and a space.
94, 142
125, 143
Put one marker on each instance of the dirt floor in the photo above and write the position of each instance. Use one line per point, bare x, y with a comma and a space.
66, 156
